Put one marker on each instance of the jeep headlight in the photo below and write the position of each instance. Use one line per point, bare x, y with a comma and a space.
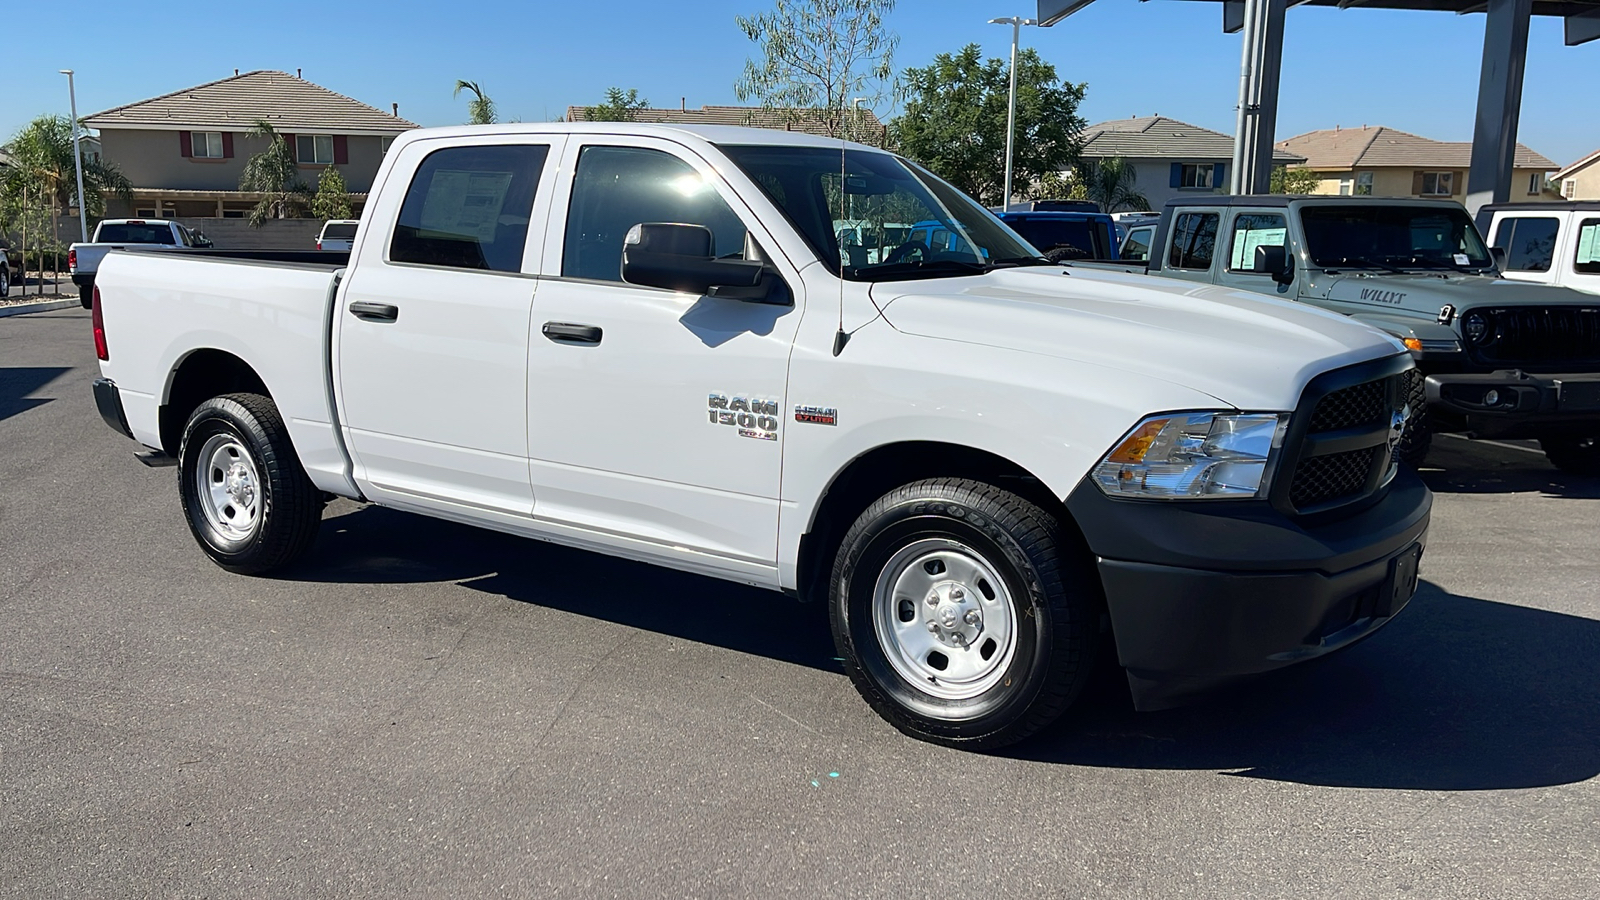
1179, 456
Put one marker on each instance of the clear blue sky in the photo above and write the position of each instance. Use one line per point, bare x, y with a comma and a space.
1415, 71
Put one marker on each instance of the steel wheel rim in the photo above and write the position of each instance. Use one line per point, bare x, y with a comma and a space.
944, 619
228, 487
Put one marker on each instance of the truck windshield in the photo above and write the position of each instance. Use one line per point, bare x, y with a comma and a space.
1065, 238
872, 216
135, 233
338, 232
1392, 237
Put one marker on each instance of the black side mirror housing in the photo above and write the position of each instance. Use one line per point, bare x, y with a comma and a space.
1275, 261
679, 258
1498, 254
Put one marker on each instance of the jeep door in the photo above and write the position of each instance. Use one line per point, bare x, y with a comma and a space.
655, 417
1245, 231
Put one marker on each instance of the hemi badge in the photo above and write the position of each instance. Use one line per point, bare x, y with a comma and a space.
816, 415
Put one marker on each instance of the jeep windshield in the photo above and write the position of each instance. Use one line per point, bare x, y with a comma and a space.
1392, 238
871, 216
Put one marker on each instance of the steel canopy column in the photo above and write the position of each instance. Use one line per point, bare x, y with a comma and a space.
1260, 65
1494, 137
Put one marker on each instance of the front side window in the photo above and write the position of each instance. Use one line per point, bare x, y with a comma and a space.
1529, 241
206, 144
872, 216
1194, 240
314, 149
1587, 260
1251, 231
469, 207
616, 188
1435, 184
1390, 237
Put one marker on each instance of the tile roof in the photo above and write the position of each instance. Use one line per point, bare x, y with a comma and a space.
1582, 162
1349, 148
289, 103
1158, 137
802, 120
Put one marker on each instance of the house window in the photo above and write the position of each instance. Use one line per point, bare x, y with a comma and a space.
1436, 184
1569, 188
1536, 182
1196, 175
1363, 184
314, 149
1347, 186
383, 144
148, 212
206, 144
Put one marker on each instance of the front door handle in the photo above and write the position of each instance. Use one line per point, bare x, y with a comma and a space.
568, 333
374, 312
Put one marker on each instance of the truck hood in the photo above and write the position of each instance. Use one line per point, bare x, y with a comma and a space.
1247, 350
1428, 293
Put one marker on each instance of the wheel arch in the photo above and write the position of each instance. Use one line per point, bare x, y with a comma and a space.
197, 377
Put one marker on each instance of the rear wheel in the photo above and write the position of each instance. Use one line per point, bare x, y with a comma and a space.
248, 501
5, 279
1574, 455
960, 616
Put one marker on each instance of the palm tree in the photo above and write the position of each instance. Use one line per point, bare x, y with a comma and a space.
480, 108
44, 165
1111, 183
273, 172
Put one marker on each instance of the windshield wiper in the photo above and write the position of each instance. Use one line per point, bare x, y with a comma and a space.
924, 269
1365, 263
1010, 261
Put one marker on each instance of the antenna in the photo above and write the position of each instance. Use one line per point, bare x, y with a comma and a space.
840, 338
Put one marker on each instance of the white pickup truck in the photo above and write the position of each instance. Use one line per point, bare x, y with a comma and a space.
1547, 243
83, 260
645, 340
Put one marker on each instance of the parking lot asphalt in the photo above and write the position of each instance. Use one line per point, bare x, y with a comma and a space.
424, 709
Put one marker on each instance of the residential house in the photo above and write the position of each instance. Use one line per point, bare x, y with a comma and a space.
1171, 158
1581, 180
864, 126
1384, 162
185, 151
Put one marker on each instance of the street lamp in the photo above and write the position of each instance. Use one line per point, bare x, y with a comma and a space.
1016, 24
77, 157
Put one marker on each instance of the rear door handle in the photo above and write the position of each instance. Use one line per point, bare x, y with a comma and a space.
568, 333
374, 312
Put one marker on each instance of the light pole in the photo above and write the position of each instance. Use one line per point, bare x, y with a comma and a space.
855, 117
77, 158
1016, 24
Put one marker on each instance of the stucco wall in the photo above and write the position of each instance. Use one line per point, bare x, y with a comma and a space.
1397, 182
1588, 182
154, 159
1154, 179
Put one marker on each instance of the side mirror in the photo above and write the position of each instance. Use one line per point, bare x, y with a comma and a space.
678, 258
1498, 254
1275, 261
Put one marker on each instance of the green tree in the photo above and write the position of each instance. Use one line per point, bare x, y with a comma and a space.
44, 171
955, 121
619, 106
1298, 180
333, 198
480, 109
1112, 183
274, 173
817, 57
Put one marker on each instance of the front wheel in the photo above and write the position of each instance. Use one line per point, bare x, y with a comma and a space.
1417, 437
960, 616
5, 279
1573, 455
249, 503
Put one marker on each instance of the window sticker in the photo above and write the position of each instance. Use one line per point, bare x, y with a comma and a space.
465, 203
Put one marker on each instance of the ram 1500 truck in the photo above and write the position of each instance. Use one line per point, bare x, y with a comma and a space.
645, 340
83, 260
1495, 357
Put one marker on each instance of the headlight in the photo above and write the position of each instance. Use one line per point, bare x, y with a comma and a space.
1179, 456
1475, 326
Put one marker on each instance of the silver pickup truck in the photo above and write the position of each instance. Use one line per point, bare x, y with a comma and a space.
83, 260
1495, 357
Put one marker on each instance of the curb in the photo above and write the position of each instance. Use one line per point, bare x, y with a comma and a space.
46, 306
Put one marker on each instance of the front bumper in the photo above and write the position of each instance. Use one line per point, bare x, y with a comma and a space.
109, 401
1523, 405
1203, 593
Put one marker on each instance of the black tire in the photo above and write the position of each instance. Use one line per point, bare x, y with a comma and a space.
5, 280
1573, 455
86, 295
1417, 438
278, 508
1050, 592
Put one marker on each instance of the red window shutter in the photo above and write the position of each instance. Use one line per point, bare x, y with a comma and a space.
227, 145
341, 150
294, 146
186, 144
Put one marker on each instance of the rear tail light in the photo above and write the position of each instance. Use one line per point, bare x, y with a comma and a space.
100, 349
72, 260
319, 243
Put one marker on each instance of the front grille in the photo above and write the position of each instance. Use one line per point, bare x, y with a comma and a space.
1323, 479
1351, 407
1536, 335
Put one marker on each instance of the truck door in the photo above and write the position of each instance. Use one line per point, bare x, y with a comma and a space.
432, 331
655, 416
1192, 245
1248, 230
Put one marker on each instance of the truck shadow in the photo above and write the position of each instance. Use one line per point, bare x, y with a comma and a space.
17, 382
1458, 693
1456, 466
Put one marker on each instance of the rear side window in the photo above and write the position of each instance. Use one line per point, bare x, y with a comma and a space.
1251, 231
136, 233
468, 208
1194, 240
1587, 260
616, 188
1530, 242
